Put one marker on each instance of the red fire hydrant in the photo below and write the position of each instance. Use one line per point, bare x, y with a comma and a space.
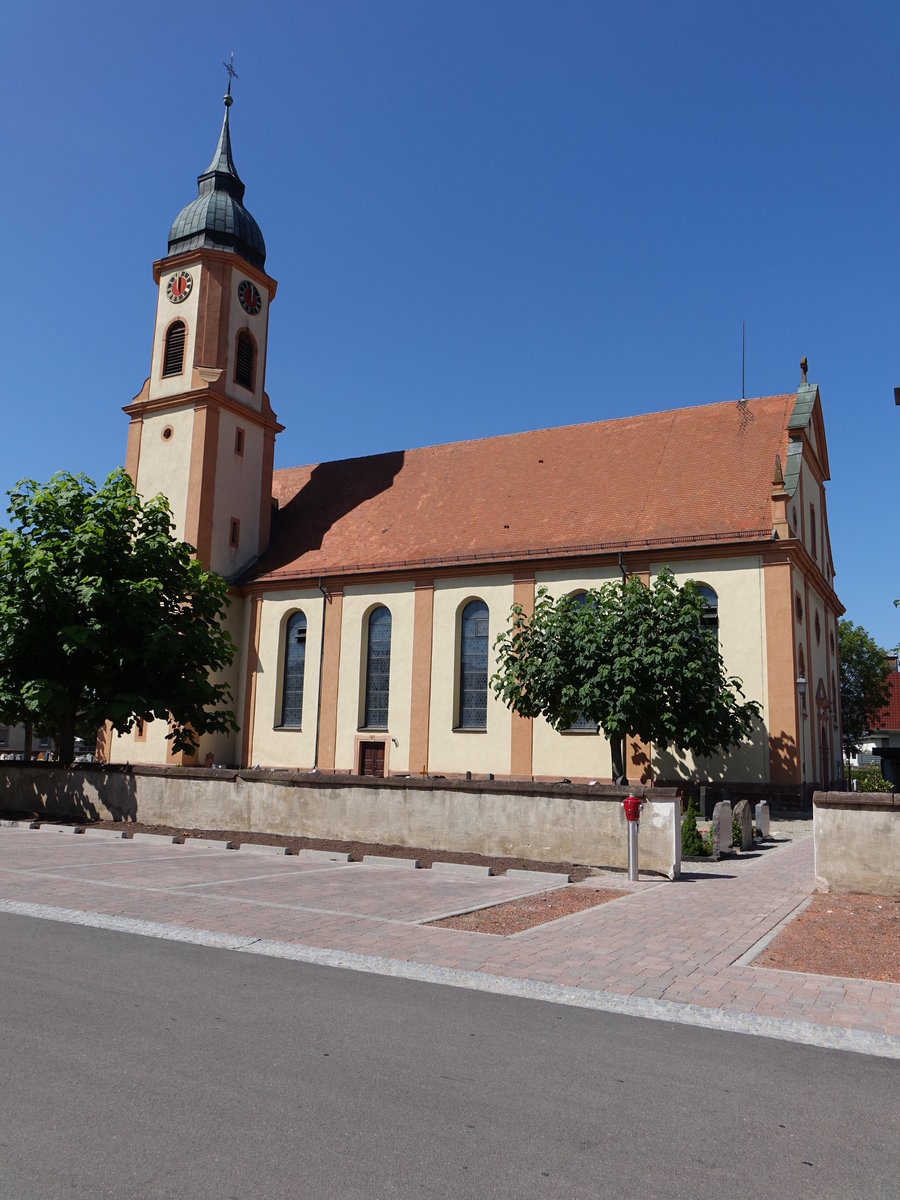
632, 806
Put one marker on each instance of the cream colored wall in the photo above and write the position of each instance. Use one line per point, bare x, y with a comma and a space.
165, 465
237, 494
358, 602
464, 750
226, 747
571, 755
272, 745
738, 583
166, 313
258, 326
125, 749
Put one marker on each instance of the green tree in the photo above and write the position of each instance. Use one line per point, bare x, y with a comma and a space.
865, 688
636, 660
104, 616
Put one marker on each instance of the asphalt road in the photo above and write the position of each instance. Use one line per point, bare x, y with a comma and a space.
138, 1068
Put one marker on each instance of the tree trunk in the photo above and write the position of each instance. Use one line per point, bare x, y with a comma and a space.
66, 749
617, 750
29, 737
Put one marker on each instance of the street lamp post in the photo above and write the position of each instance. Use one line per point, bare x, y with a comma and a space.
801, 692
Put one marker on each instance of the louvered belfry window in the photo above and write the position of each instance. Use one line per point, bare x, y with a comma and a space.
378, 669
473, 666
294, 669
173, 356
243, 361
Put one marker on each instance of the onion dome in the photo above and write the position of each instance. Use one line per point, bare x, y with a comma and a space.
217, 219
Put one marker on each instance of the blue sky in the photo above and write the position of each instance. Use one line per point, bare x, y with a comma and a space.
483, 217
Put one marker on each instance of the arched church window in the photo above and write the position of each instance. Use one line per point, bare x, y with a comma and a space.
581, 724
710, 616
173, 354
378, 669
294, 668
245, 353
473, 666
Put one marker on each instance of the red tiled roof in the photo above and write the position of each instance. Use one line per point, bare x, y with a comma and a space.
690, 475
889, 717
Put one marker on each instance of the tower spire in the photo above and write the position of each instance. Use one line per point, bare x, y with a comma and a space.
217, 218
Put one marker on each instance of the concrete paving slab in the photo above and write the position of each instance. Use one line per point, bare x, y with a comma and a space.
539, 878
385, 860
308, 855
464, 870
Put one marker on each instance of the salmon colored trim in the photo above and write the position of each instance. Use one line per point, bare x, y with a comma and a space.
133, 448
203, 395
782, 715
198, 518
265, 490
250, 667
521, 730
208, 257
331, 659
420, 692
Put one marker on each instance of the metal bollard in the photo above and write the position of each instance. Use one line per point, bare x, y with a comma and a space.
632, 806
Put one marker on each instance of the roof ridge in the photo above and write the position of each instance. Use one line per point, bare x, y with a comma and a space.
522, 433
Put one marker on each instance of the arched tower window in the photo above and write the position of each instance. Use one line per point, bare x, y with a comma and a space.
244, 360
710, 618
378, 669
473, 666
173, 354
294, 668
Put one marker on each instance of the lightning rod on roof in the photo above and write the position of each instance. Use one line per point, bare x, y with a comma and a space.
743, 359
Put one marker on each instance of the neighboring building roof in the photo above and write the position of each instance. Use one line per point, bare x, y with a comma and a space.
217, 219
889, 717
687, 476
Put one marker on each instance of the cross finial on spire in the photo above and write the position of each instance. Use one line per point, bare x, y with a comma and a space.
232, 74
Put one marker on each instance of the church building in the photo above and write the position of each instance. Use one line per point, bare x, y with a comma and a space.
366, 594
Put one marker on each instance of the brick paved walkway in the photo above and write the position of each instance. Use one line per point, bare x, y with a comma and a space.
675, 951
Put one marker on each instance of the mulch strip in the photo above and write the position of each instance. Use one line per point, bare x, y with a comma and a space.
576, 871
515, 916
848, 935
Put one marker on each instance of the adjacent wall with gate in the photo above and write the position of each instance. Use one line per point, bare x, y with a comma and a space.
547, 823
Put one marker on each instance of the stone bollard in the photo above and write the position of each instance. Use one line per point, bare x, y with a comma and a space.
745, 820
721, 828
762, 819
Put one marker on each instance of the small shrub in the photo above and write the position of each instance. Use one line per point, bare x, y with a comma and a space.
870, 779
737, 836
692, 843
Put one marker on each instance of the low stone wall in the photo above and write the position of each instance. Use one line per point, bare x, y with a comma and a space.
857, 839
546, 822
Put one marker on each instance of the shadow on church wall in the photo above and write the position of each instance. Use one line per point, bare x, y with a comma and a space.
333, 490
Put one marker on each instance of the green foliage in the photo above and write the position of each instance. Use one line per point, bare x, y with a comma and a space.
870, 779
737, 837
636, 660
104, 616
864, 682
692, 842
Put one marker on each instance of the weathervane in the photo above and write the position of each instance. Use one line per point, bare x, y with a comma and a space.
232, 74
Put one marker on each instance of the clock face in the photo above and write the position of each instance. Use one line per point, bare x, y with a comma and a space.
249, 296
179, 286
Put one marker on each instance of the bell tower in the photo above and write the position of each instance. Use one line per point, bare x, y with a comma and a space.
202, 430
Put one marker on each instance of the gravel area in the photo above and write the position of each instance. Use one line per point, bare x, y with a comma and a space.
855, 936
517, 915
